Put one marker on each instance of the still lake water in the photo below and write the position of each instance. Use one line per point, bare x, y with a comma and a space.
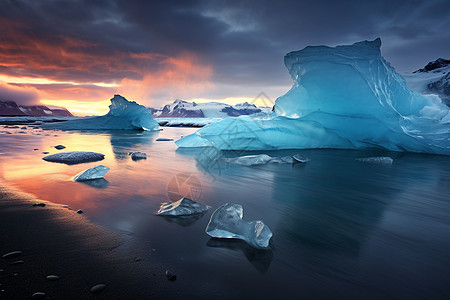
342, 229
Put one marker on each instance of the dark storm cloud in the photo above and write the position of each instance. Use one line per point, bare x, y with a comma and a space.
244, 41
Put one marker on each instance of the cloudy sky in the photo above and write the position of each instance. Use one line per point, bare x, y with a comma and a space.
79, 53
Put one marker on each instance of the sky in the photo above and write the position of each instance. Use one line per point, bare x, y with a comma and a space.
79, 53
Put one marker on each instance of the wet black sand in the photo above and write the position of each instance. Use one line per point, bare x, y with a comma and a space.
58, 241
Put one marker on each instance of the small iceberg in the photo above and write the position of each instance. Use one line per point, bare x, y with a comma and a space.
377, 160
122, 115
298, 158
182, 207
226, 222
74, 157
96, 172
138, 155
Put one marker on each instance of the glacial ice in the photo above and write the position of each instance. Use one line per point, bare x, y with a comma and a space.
377, 160
346, 97
138, 155
74, 157
226, 222
298, 158
96, 172
182, 207
260, 159
123, 114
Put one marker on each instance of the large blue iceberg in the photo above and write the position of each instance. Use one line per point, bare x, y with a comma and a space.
123, 114
343, 97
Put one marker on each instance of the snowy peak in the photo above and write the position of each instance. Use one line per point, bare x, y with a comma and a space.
184, 109
11, 109
434, 78
435, 66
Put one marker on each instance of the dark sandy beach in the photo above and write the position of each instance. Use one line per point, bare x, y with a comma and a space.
57, 241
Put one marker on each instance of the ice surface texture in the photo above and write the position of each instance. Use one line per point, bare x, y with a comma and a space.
96, 172
123, 114
377, 160
74, 157
182, 207
226, 222
343, 97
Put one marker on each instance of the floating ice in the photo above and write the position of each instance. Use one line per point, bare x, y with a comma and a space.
226, 222
182, 207
123, 114
96, 172
74, 157
346, 97
376, 160
260, 159
138, 155
298, 158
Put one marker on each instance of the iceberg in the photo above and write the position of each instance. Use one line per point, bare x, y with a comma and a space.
344, 97
182, 207
123, 114
96, 172
74, 157
226, 222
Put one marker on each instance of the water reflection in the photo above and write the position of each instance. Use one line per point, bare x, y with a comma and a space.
183, 221
124, 140
100, 183
260, 259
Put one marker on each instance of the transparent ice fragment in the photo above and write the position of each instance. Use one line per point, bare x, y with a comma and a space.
226, 222
96, 172
182, 207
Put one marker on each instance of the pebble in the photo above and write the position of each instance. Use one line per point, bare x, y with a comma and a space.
98, 288
38, 295
45, 152
17, 262
59, 147
163, 139
79, 211
171, 276
35, 149
12, 254
39, 204
52, 277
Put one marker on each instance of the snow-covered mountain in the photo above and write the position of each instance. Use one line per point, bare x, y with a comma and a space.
11, 109
185, 109
434, 78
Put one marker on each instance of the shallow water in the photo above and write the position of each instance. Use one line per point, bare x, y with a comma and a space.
342, 228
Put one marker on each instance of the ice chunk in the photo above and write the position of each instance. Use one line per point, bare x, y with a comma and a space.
298, 158
96, 172
74, 157
226, 222
376, 160
260, 159
346, 97
182, 207
138, 155
123, 114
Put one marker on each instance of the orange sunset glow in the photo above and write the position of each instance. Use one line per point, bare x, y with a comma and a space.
76, 74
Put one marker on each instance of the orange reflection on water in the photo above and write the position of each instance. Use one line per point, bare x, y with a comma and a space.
127, 181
